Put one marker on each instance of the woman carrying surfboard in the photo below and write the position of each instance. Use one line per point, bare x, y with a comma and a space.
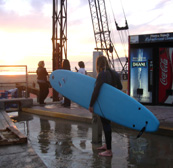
105, 75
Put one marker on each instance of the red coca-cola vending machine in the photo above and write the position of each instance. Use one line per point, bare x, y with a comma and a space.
151, 68
165, 76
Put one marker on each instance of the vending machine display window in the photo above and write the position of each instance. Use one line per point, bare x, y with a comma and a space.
141, 74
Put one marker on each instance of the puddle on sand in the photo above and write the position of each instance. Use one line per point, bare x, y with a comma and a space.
61, 143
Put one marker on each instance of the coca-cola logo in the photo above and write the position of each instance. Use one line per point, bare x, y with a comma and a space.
164, 71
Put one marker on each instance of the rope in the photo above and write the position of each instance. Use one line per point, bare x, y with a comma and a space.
123, 9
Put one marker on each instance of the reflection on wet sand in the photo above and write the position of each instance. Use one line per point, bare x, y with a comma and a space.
43, 137
62, 143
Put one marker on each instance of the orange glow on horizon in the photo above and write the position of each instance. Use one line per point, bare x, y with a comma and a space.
12, 73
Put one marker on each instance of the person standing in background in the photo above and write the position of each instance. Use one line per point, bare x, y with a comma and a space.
81, 68
42, 80
66, 66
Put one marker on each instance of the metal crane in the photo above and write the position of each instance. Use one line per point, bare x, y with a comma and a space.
100, 27
59, 36
101, 30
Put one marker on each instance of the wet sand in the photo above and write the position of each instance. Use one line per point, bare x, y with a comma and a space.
67, 144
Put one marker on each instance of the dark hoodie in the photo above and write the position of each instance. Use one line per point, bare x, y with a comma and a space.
108, 76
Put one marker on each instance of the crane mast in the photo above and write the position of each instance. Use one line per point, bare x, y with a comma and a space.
59, 36
101, 30
59, 32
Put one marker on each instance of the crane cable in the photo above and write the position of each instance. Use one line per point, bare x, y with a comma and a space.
124, 16
121, 35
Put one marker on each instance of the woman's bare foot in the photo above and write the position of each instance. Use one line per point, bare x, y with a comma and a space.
107, 153
102, 147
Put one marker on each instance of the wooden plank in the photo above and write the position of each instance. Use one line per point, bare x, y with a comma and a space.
17, 132
2, 138
8, 137
1, 116
7, 119
3, 123
9, 134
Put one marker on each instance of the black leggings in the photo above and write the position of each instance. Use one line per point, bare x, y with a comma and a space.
44, 90
107, 131
67, 101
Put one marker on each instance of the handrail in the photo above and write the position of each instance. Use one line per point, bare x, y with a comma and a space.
26, 74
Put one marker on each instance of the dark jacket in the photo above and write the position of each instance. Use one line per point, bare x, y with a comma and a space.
110, 77
42, 74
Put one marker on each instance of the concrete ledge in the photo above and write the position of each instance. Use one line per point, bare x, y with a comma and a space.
166, 131
58, 115
22, 102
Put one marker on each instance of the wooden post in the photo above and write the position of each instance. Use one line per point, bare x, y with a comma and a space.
96, 129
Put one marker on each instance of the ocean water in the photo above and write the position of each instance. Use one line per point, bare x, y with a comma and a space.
8, 82
22, 69
10, 75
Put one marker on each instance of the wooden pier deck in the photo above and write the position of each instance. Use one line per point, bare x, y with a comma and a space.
9, 134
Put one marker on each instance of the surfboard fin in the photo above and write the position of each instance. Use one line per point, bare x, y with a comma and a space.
142, 131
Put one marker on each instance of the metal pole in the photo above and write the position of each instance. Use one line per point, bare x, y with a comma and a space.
26, 82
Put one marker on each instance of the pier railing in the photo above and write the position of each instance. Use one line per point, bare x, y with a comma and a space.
7, 77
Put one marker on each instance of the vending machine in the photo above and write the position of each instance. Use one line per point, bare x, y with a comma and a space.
165, 91
151, 68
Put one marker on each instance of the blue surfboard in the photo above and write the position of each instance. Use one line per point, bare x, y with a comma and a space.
112, 103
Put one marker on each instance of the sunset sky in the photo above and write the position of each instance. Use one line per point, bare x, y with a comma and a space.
26, 27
